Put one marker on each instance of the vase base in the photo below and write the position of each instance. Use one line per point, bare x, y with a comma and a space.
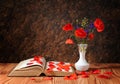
82, 67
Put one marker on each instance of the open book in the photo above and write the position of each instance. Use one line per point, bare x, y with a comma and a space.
38, 65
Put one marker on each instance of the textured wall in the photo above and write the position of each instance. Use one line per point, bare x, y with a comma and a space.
33, 27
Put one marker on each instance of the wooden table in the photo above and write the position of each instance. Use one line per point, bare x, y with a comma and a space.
5, 68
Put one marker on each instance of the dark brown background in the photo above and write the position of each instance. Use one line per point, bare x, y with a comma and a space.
33, 27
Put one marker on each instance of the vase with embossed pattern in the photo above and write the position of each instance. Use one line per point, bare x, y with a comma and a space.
82, 64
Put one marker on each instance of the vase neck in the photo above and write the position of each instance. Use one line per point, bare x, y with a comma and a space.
82, 55
82, 47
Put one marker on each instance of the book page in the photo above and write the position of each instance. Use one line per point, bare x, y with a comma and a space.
31, 62
55, 66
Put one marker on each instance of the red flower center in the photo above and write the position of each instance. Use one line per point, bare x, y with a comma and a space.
80, 33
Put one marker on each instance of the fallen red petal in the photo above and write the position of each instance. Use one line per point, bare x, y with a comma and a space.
37, 58
96, 71
60, 65
47, 78
66, 68
73, 76
51, 66
32, 79
104, 76
107, 72
85, 76
67, 78
59, 69
61, 62
51, 63
82, 73
49, 70
39, 62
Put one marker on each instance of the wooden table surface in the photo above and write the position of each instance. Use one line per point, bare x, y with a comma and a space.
5, 68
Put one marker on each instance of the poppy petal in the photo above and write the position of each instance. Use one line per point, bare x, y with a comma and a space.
85, 76
51, 66
107, 72
80, 33
32, 78
98, 23
51, 63
71, 77
59, 69
104, 76
69, 41
47, 78
67, 78
91, 36
49, 70
68, 27
96, 71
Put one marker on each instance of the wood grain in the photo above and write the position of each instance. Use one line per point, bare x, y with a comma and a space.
92, 79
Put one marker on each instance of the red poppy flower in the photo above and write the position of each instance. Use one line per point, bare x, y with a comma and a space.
68, 27
98, 23
80, 32
69, 41
91, 36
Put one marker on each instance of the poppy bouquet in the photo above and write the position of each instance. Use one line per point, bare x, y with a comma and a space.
83, 31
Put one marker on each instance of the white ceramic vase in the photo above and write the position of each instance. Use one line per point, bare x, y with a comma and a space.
82, 64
